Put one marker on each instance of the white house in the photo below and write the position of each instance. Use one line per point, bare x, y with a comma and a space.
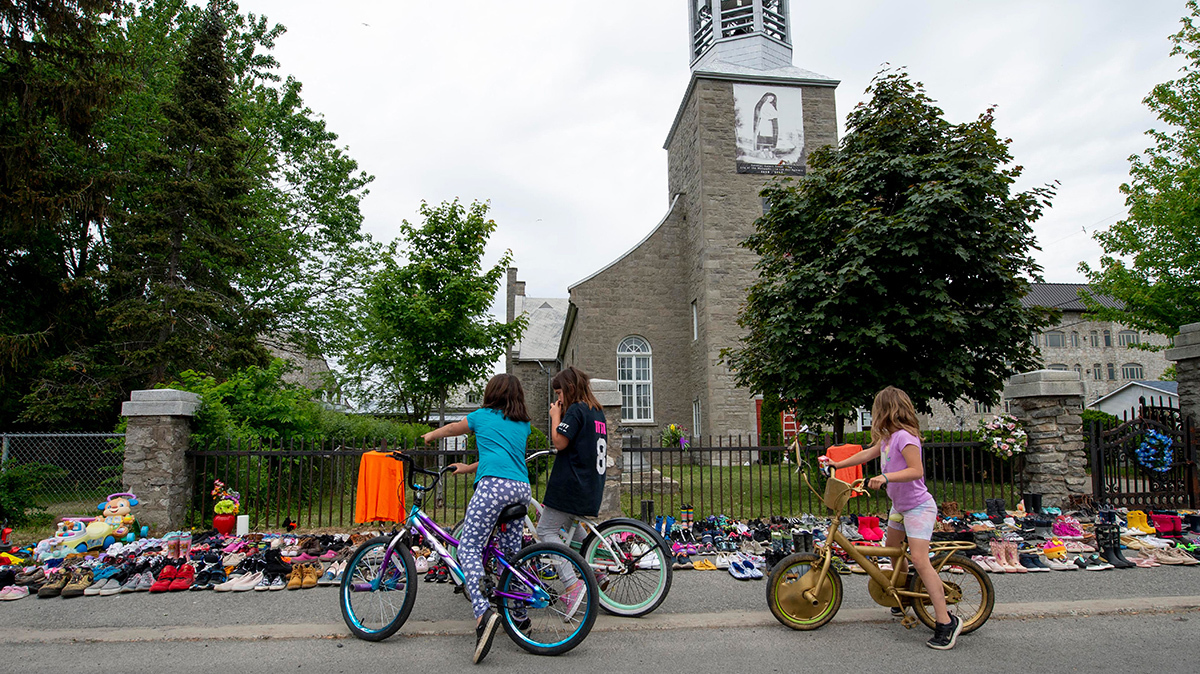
1124, 401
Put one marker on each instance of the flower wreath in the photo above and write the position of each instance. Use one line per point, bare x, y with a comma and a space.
228, 500
1003, 436
1156, 451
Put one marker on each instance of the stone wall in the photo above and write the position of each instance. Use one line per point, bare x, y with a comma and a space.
536, 384
1186, 355
1049, 403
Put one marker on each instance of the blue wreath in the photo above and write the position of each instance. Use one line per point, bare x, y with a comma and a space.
1156, 451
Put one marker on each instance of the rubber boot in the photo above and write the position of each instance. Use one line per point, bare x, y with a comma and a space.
1108, 539
1193, 522
1037, 504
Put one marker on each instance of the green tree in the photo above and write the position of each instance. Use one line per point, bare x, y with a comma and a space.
900, 259
421, 328
1151, 260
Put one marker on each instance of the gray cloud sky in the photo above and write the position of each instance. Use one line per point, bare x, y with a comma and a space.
556, 110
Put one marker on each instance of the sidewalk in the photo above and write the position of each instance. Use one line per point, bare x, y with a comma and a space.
698, 599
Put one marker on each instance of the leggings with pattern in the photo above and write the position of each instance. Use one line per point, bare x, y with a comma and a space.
492, 494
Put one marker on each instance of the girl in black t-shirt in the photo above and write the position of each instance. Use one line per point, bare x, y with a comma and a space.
579, 432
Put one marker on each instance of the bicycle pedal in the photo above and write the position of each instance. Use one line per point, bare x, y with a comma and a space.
909, 621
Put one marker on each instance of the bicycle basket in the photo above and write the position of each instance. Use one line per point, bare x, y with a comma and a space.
837, 493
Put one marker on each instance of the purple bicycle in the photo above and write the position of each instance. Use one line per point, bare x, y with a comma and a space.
379, 586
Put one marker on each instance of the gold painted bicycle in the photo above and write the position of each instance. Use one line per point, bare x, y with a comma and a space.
804, 592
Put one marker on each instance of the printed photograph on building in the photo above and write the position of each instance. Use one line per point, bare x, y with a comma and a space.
769, 123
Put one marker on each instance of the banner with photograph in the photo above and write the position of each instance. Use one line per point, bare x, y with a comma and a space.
769, 122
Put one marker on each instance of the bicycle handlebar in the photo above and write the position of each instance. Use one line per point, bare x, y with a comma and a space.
544, 452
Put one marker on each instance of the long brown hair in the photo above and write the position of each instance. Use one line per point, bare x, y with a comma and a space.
504, 393
576, 387
893, 410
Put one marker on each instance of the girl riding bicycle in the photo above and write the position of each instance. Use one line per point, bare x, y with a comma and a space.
501, 428
914, 512
579, 432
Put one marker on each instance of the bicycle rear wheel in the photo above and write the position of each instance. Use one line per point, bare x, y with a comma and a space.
378, 590
969, 595
548, 625
638, 580
785, 587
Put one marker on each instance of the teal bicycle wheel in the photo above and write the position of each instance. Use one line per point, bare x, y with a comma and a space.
566, 599
378, 590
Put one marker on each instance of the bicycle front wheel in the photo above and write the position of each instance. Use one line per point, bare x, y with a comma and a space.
378, 590
638, 578
557, 617
785, 593
969, 595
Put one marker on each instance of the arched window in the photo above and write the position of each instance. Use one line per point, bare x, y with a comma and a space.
1097, 372
1112, 372
1056, 339
1078, 370
1131, 371
1062, 367
635, 379
1127, 338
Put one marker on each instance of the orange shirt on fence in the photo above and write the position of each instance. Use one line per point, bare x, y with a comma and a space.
380, 479
840, 452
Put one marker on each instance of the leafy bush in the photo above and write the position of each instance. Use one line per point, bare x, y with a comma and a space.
20, 486
771, 426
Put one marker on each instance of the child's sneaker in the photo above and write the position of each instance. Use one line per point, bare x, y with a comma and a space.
945, 635
573, 597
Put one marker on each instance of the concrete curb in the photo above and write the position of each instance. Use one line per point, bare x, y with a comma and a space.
605, 623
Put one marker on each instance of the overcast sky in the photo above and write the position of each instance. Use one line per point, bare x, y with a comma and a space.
556, 111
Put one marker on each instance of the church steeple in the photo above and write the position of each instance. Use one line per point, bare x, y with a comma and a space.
743, 33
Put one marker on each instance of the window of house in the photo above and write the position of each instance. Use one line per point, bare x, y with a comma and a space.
473, 398
983, 408
1131, 371
1078, 370
695, 322
1056, 339
1097, 372
1112, 372
1075, 340
1095, 337
1127, 338
864, 419
696, 417
1062, 367
635, 379
1107, 338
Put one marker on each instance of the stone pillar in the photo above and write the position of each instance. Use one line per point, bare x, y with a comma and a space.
1049, 404
156, 469
610, 399
1186, 355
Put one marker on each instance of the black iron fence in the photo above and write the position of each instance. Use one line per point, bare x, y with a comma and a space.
738, 477
1148, 459
314, 484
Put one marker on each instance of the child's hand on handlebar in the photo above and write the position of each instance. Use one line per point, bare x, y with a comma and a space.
460, 468
876, 482
825, 461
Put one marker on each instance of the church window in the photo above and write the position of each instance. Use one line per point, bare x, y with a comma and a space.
737, 17
1112, 372
1127, 338
1131, 371
1107, 338
1056, 339
635, 379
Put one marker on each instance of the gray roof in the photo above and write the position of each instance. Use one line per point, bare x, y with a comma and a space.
542, 334
1171, 387
718, 68
1063, 296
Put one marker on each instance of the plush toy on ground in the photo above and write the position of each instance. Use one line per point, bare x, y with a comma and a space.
80, 534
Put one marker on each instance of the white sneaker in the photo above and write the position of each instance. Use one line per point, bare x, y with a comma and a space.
247, 582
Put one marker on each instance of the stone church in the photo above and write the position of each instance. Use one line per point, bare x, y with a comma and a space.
656, 318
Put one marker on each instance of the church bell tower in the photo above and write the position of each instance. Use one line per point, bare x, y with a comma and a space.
747, 33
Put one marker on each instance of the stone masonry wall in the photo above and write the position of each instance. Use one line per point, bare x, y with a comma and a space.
1187, 373
156, 469
536, 384
1055, 464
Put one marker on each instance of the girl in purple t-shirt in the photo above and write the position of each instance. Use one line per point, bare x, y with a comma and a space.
914, 512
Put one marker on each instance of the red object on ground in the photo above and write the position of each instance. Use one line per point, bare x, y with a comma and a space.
224, 523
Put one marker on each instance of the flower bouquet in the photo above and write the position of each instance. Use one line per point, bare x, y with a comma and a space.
1003, 436
226, 508
675, 436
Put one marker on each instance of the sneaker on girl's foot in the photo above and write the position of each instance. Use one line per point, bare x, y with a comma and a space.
944, 635
573, 597
484, 632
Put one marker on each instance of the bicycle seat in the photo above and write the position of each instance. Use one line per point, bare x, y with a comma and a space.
512, 512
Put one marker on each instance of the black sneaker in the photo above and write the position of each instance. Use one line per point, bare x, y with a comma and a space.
484, 632
897, 612
944, 635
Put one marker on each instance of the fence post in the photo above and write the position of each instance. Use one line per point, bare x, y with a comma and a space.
156, 468
1049, 403
610, 399
1186, 355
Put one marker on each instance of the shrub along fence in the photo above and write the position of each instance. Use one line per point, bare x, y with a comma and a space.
313, 484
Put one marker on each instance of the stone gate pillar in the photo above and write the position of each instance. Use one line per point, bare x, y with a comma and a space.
610, 399
156, 469
1186, 355
1049, 404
